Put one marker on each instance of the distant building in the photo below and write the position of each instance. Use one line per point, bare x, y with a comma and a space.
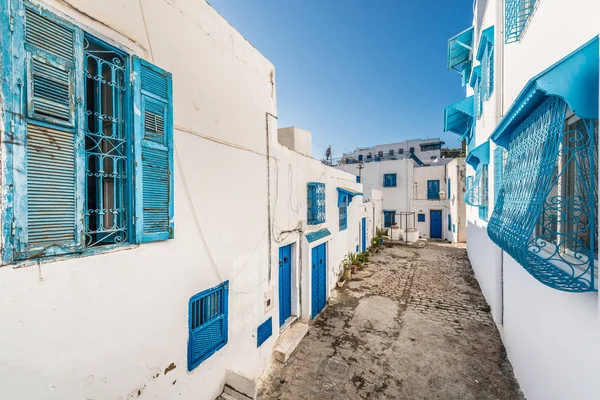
420, 190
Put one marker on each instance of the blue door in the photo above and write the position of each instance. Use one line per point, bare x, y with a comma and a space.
389, 217
364, 234
435, 224
319, 278
285, 283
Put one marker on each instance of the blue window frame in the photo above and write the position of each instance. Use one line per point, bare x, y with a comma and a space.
420, 217
449, 222
449, 195
389, 180
391, 152
343, 216
517, 14
483, 209
433, 189
389, 218
357, 178
411, 150
208, 324
400, 151
360, 157
315, 203
84, 149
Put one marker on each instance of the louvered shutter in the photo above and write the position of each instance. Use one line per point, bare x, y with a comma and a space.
48, 174
153, 130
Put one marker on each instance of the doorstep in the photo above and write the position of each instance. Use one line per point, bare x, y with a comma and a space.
289, 340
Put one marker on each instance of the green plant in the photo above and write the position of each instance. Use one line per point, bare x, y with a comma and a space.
380, 232
352, 258
362, 257
375, 243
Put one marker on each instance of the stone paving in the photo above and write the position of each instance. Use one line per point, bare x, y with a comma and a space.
413, 324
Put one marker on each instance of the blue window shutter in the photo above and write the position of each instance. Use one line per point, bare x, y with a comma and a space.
449, 195
49, 164
153, 149
315, 203
208, 325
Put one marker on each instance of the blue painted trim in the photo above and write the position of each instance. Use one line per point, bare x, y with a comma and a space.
264, 331
316, 235
416, 159
480, 154
573, 79
487, 36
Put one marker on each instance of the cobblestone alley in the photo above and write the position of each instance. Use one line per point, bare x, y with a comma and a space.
413, 324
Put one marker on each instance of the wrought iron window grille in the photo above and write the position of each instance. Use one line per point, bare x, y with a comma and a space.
315, 203
517, 15
476, 193
545, 216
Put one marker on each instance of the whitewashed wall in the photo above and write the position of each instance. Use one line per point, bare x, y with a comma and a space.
107, 326
456, 172
551, 337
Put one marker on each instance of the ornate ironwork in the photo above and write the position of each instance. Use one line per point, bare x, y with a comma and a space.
476, 194
106, 142
315, 203
487, 73
517, 14
545, 216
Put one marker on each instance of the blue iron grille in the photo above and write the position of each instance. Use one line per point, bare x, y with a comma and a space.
421, 217
499, 162
316, 235
487, 72
476, 194
343, 216
389, 180
106, 144
545, 216
477, 98
449, 222
315, 203
449, 196
208, 325
517, 14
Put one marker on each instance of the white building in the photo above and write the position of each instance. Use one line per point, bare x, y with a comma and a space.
146, 205
530, 119
424, 149
425, 196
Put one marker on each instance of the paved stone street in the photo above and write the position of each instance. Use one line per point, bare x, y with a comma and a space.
412, 325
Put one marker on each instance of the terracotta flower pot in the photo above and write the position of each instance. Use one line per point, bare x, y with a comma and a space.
354, 269
347, 273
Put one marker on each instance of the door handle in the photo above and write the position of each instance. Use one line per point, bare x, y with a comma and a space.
285, 259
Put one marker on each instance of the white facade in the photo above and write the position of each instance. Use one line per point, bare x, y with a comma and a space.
114, 325
425, 149
552, 338
411, 195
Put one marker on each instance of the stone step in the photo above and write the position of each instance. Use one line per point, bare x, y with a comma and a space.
289, 340
231, 394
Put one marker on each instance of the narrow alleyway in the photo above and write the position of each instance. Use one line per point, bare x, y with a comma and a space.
412, 325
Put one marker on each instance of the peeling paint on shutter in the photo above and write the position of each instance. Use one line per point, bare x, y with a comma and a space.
48, 159
153, 153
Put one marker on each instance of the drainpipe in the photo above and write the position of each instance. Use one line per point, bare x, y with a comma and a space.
269, 224
499, 115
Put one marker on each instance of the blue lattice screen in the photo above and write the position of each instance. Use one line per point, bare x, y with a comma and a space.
517, 14
315, 203
476, 194
487, 72
343, 216
545, 216
499, 160
207, 323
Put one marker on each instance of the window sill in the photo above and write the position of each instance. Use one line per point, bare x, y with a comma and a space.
87, 253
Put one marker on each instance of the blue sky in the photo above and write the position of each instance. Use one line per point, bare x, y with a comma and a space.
357, 72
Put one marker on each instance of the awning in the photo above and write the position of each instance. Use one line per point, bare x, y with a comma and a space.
480, 154
460, 48
574, 79
458, 117
346, 195
487, 36
316, 235
476, 74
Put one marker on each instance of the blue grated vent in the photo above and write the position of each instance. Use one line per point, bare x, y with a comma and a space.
316, 235
421, 217
208, 325
264, 331
517, 14
343, 216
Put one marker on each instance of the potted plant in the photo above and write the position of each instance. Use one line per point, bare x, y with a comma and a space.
353, 262
347, 271
375, 244
341, 281
362, 258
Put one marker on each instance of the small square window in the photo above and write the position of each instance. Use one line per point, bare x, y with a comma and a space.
421, 217
208, 325
380, 153
360, 157
411, 150
400, 151
389, 180
391, 152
